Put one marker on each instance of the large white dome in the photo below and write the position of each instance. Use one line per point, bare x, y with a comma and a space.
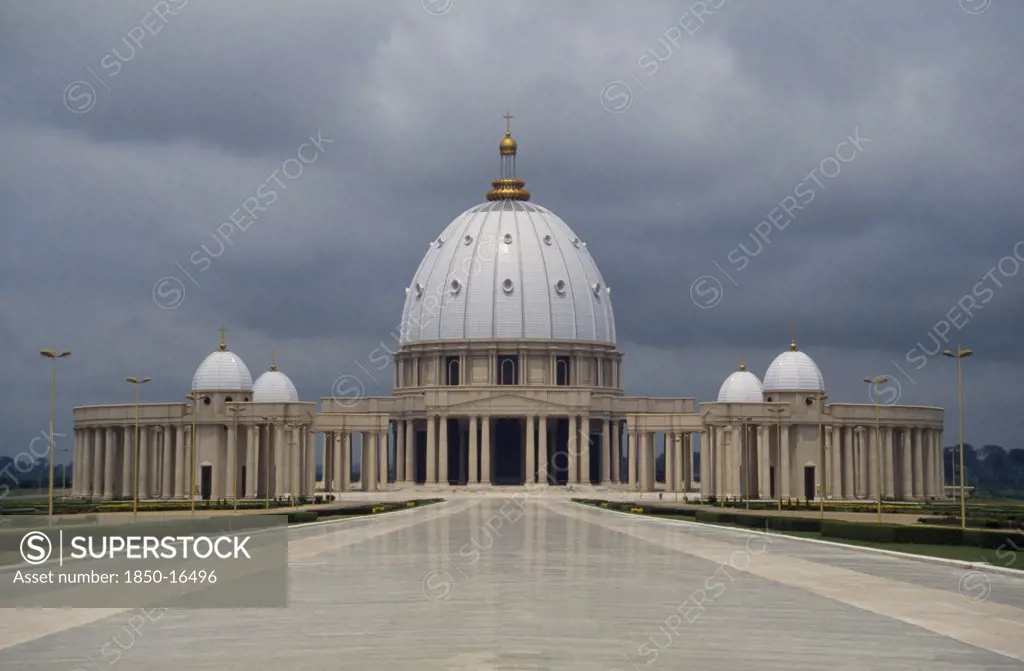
274, 387
222, 371
741, 387
793, 371
508, 269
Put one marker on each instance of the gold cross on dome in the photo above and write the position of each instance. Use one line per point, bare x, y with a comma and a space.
508, 126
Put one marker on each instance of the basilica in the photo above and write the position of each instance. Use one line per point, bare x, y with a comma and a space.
508, 375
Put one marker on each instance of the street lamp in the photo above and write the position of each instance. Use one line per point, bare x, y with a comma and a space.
192, 410
270, 421
743, 458
293, 457
234, 407
874, 382
960, 354
778, 425
52, 354
138, 382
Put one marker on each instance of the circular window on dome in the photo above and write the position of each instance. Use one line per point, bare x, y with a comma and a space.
809, 401
508, 238
206, 400
468, 240
418, 289
596, 288
438, 242
560, 287
506, 286
455, 287
547, 240
576, 243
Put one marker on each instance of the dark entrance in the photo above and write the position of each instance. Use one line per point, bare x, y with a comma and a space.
508, 452
808, 482
206, 482
243, 483
557, 458
771, 482
454, 455
420, 476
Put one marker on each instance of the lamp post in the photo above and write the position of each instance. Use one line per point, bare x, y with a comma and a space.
874, 382
743, 458
234, 407
138, 382
778, 425
193, 444
959, 356
53, 354
270, 421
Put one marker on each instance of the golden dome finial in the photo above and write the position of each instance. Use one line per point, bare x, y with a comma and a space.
743, 366
223, 343
507, 187
792, 345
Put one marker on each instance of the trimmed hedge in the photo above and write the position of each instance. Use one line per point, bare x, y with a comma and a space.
302, 516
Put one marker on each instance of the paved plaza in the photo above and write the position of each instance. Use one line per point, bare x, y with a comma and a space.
525, 582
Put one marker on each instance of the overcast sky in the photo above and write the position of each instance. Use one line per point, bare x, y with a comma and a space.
131, 131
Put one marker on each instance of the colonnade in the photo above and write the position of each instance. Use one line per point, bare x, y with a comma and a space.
846, 462
105, 461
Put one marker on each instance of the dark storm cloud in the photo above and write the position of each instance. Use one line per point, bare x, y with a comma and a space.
728, 113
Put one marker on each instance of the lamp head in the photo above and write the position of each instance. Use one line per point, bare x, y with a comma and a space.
868, 380
47, 353
133, 380
946, 352
966, 352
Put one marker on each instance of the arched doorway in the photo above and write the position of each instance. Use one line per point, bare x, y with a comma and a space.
508, 452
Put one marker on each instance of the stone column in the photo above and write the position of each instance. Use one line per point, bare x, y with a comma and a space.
670, 462
251, 446
584, 450
431, 450
383, 457
178, 489
907, 477
616, 452
531, 448
573, 451
98, 436
643, 465
400, 450
544, 461
687, 475
309, 484
846, 448
295, 449
76, 460
167, 487
345, 457
763, 467
606, 452
707, 486
231, 463
940, 464
368, 467
835, 477
735, 461
632, 438
474, 450
109, 452
786, 492
442, 452
280, 447
410, 451
889, 465
915, 441
144, 450
485, 450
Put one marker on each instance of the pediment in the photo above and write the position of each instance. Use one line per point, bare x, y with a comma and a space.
509, 404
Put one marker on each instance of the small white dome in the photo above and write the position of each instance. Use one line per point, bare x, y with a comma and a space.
222, 371
741, 387
274, 387
793, 371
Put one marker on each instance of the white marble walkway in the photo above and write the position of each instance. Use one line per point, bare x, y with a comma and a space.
481, 583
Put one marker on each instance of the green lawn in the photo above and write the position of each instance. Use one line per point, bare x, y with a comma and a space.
1006, 558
